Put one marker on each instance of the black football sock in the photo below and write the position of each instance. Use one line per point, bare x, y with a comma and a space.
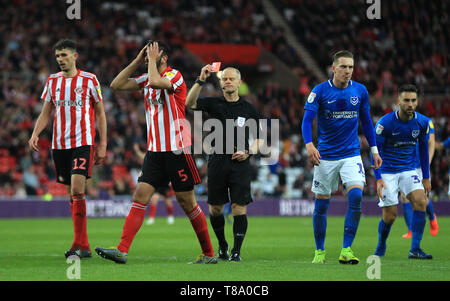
239, 230
218, 225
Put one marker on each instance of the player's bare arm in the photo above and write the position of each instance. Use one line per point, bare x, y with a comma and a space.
194, 92
380, 186
313, 154
100, 153
123, 81
40, 125
154, 77
426, 185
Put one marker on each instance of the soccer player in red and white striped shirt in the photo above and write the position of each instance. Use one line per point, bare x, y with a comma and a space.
167, 159
76, 98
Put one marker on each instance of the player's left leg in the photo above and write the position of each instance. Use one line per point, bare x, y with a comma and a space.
81, 164
187, 202
353, 178
77, 192
384, 227
419, 202
434, 227
217, 221
240, 224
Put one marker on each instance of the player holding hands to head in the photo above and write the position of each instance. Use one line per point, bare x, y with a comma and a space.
168, 158
338, 103
397, 134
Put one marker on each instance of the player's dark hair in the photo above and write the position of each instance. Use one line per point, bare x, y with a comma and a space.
65, 44
342, 53
407, 88
166, 49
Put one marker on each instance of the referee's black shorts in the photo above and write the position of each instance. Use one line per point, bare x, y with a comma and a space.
228, 180
179, 168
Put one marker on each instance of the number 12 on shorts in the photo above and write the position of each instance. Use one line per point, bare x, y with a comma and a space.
82, 164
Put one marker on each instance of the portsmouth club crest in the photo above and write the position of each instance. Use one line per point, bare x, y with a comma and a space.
354, 100
415, 133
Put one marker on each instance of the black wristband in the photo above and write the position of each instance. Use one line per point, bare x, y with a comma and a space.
200, 82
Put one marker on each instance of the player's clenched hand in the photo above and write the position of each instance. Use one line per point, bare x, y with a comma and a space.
377, 161
100, 155
33, 143
380, 186
313, 154
426, 185
206, 72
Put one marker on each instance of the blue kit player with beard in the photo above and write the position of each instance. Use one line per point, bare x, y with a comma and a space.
397, 135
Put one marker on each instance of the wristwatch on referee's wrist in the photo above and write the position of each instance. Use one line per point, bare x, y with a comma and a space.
199, 81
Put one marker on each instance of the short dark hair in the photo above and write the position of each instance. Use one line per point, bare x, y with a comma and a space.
342, 53
407, 88
65, 43
167, 50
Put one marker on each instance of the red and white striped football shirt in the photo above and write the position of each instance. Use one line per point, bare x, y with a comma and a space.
167, 129
73, 98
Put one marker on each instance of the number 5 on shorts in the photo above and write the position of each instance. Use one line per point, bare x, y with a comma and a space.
183, 175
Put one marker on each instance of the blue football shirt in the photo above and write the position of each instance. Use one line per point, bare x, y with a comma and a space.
338, 112
397, 141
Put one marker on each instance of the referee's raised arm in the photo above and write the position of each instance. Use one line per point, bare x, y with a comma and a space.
194, 92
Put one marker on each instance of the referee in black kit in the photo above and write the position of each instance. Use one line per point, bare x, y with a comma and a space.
229, 173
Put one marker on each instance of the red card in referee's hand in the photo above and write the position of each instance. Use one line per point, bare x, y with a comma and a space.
216, 66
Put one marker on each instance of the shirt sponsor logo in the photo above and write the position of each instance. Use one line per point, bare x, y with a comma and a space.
345, 114
70, 103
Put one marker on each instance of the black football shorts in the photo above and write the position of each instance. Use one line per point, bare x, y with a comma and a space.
71, 161
228, 180
160, 168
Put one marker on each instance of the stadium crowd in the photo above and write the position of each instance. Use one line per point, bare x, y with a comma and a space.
110, 35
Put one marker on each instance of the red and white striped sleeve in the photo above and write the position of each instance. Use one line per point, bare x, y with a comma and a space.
46, 93
96, 91
141, 80
175, 78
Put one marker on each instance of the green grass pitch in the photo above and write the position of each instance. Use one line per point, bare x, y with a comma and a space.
275, 249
